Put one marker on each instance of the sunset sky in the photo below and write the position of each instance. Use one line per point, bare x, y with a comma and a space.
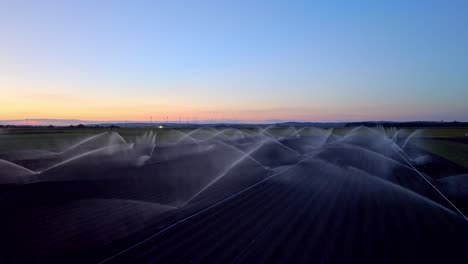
252, 61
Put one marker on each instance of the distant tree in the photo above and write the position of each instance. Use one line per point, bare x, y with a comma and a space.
114, 127
80, 126
50, 126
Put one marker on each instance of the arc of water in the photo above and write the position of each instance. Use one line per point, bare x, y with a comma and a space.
354, 130
17, 166
184, 136
189, 136
262, 130
401, 151
291, 131
328, 135
395, 136
238, 132
370, 151
413, 134
432, 185
321, 130
145, 136
340, 139
324, 139
298, 131
307, 156
191, 133
294, 130
331, 144
318, 129
211, 206
148, 137
74, 158
226, 171
373, 130
84, 141
120, 137
281, 144
393, 133
154, 145
248, 154
217, 133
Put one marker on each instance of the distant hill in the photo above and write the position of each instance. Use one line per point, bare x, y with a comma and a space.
409, 124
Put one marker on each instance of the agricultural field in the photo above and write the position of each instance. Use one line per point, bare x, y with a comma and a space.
211, 195
449, 143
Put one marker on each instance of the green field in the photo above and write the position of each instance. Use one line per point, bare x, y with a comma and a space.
53, 139
453, 151
18, 139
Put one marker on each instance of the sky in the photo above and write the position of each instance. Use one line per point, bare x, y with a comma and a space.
248, 61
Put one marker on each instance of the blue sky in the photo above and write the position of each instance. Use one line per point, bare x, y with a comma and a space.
244, 60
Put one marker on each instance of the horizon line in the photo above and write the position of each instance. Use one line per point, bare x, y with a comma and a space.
69, 122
